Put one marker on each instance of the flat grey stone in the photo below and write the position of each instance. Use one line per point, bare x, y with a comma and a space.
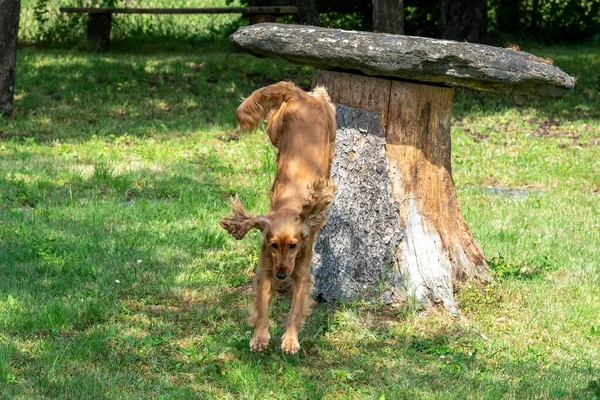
411, 58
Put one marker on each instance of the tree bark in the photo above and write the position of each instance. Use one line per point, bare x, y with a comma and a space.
464, 20
353, 255
395, 229
388, 16
9, 29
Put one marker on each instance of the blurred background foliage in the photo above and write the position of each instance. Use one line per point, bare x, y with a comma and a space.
544, 21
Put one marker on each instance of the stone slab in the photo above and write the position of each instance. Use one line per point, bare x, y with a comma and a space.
420, 59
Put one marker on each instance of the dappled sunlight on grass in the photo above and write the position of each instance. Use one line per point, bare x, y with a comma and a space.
114, 94
116, 279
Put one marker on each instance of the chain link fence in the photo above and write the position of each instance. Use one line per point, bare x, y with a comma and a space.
41, 20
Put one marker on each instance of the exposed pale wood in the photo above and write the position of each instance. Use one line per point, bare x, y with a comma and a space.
439, 246
208, 10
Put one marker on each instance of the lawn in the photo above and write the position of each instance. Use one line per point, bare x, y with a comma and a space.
116, 280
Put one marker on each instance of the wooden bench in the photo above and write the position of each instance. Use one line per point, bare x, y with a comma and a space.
395, 230
100, 19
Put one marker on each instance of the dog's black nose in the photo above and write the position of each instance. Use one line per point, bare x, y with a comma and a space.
281, 275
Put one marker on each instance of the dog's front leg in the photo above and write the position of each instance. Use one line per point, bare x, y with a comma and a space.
301, 291
260, 311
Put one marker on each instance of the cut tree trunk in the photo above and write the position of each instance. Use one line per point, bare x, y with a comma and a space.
395, 228
388, 16
9, 29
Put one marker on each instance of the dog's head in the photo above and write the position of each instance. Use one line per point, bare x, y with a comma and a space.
285, 233
284, 240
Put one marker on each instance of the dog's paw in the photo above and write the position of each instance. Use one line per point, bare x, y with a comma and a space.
259, 343
290, 345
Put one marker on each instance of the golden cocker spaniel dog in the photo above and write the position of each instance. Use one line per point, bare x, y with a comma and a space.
302, 127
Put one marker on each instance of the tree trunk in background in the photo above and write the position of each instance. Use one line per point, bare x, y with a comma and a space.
535, 8
388, 16
464, 20
9, 28
307, 13
508, 16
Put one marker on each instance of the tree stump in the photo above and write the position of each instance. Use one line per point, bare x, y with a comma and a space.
395, 229
414, 178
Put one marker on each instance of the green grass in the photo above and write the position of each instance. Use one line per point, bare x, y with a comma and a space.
117, 282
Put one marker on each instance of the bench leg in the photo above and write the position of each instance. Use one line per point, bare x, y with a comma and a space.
98, 30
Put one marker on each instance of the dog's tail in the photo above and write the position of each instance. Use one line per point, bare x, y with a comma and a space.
320, 91
256, 108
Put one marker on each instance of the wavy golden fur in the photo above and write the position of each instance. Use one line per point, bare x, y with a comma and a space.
302, 127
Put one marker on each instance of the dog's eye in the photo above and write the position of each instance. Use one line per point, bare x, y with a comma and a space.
274, 245
293, 245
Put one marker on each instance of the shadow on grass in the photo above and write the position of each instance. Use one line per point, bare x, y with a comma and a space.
94, 334
70, 252
67, 94
88, 263
74, 95
114, 284
407, 366
444, 363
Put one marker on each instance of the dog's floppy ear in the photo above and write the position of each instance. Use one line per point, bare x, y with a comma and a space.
314, 221
316, 207
241, 222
